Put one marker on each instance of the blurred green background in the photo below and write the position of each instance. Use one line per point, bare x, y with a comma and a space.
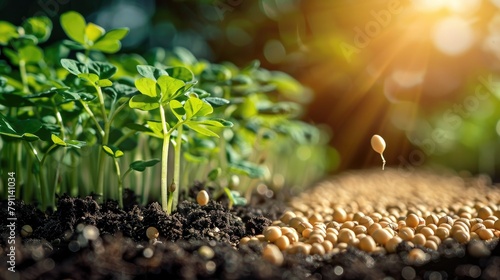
422, 74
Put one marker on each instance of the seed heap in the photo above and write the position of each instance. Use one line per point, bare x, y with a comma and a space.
376, 211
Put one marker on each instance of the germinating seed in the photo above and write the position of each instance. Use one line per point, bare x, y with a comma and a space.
378, 144
202, 198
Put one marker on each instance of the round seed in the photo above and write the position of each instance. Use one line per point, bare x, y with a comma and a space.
26, 231
339, 215
392, 244
489, 223
427, 231
244, 240
461, 236
202, 198
412, 220
346, 236
272, 254
327, 245
332, 237
381, 236
431, 245
287, 216
152, 233
431, 219
496, 225
406, 233
419, 239
272, 233
282, 242
373, 228
307, 232
317, 249
484, 212
485, 234
367, 244
442, 233
416, 256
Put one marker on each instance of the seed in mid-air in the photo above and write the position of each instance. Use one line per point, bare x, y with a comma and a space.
378, 144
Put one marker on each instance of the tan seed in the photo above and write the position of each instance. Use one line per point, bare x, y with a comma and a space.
442, 233
272, 233
317, 249
427, 231
381, 236
431, 245
484, 212
406, 233
152, 233
327, 245
367, 244
287, 216
416, 256
202, 198
419, 239
461, 236
346, 236
412, 220
392, 244
485, 234
282, 242
272, 254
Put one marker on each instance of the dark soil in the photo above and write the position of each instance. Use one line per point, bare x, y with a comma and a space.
59, 248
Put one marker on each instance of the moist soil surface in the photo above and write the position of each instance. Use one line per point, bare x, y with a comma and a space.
85, 240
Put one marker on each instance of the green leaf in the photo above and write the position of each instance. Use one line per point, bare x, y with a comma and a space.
177, 109
40, 27
196, 107
58, 141
89, 77
73, 66
21, 129
147, 86
7, 32
181, 73
12, 55
216, 101
170, 88
137, 127
112, 151
31, 54
247, 168
76, 144
115, 34
93, 31
156, 127
14, 100
151, 72
74, 25
216, 122
144, 102
104, 70
194, 159
107, 46
104, 83
201, 129
214, 174
141, 165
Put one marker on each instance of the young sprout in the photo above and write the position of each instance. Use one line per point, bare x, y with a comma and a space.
378, 144
202, 198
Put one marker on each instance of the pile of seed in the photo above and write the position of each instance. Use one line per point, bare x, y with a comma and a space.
375, 211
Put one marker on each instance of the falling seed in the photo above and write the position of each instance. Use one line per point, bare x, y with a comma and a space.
202, 198
378, 144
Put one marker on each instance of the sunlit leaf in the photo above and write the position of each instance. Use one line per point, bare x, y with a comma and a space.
170, 88
181, 73
201, 129
147, 86
195, 107
7, 32
74, 25
73, 66
144, 102
177, 109
93, 31
58, 141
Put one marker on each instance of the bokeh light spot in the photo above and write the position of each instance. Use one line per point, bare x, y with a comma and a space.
453, 36
274, 51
